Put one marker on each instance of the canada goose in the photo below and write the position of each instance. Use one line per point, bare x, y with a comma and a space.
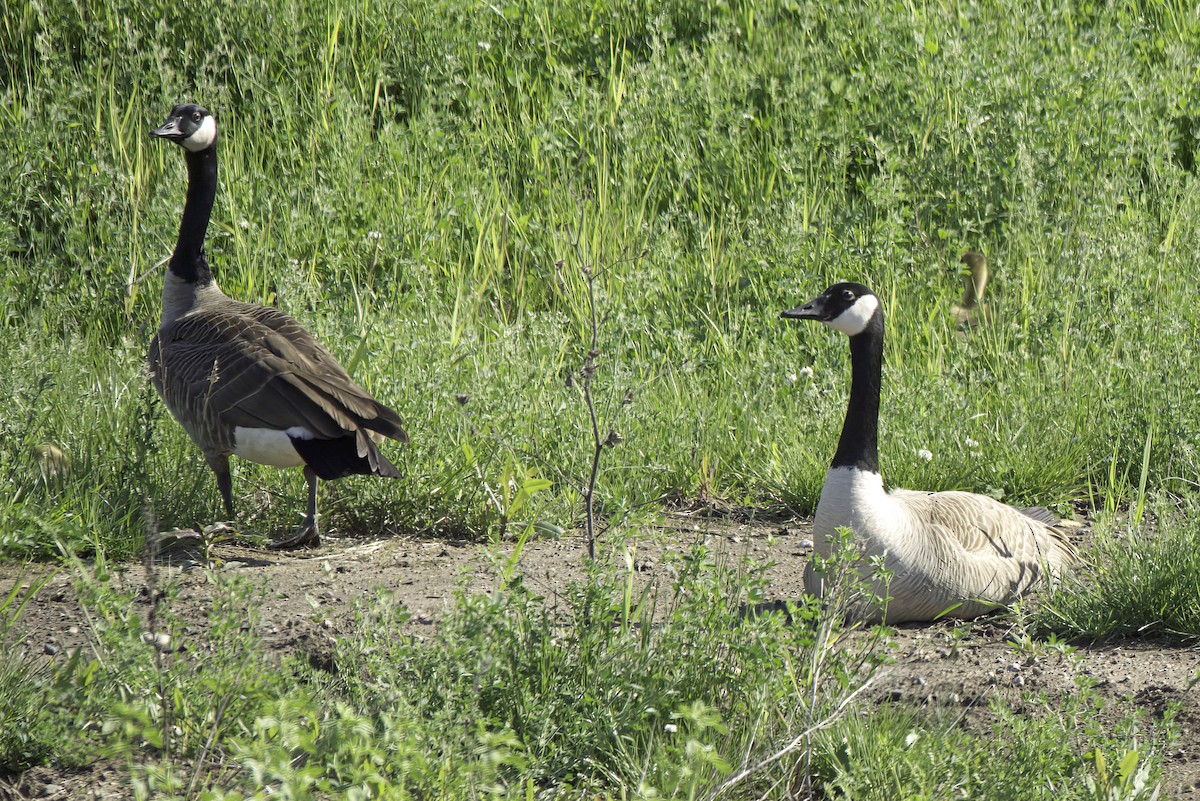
953, 553
248, 380
972, 310
52, 461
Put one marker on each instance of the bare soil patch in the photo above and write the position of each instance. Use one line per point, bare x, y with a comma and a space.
955, 668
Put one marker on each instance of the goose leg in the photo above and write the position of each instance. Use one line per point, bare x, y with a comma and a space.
308, 536
219, 463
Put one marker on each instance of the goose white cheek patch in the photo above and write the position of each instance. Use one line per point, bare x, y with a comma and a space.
203, 137
854, 320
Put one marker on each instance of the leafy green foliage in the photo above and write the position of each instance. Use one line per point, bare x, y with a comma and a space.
155, 689
900, 753
1139, 579
684, 687
609, 681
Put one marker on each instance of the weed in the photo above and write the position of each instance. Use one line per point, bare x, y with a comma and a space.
1138, 578
904, 753
26, 736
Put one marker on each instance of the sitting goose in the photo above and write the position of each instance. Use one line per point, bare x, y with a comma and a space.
972, 311
951, 553
246, 379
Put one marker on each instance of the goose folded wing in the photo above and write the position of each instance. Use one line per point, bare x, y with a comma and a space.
978, 547
318, 368
254, 377
982, 527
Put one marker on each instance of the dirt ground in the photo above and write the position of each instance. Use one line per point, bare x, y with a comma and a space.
956, 667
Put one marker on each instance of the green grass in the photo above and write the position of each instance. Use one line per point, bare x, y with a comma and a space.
1141, 579
1044, 750
26, 736
682, 688
423, 184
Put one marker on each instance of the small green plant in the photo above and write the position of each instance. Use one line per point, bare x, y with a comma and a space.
1129, 780
26, 734
1136, 578
167, 692
1047, 751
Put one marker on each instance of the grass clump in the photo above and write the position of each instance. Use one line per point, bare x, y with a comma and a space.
1036, 750
26, 736
1141, 577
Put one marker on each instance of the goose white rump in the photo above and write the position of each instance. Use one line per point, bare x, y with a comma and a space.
269, 446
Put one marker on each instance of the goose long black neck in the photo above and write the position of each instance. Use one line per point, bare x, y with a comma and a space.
859, 444
188, 261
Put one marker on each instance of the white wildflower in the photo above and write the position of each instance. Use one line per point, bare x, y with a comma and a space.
911, 739
790, 377
806, 372
925, 455
374, 235
970, 443
670, 728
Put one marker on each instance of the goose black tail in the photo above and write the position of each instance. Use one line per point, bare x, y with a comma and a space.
337, 458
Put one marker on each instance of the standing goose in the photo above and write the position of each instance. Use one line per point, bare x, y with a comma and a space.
246, 379
953, 553
972, 310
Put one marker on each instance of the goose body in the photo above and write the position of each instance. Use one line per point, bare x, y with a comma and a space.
248, 380
957, 554
971, 310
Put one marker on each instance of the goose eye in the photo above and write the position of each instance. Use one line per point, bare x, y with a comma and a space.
847, 294
195, 116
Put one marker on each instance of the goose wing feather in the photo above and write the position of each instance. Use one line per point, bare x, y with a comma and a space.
980, 528
322, 371
261, 369
1040, 514
972, 554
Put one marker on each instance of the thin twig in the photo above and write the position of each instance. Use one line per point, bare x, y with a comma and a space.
796, 741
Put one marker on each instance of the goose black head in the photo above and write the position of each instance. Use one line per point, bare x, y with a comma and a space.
190, 126
846, 307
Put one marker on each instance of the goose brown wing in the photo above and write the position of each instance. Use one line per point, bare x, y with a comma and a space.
321, 371
974, 547
984, 528
257, 375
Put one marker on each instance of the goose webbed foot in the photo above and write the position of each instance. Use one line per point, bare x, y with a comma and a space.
305, 537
